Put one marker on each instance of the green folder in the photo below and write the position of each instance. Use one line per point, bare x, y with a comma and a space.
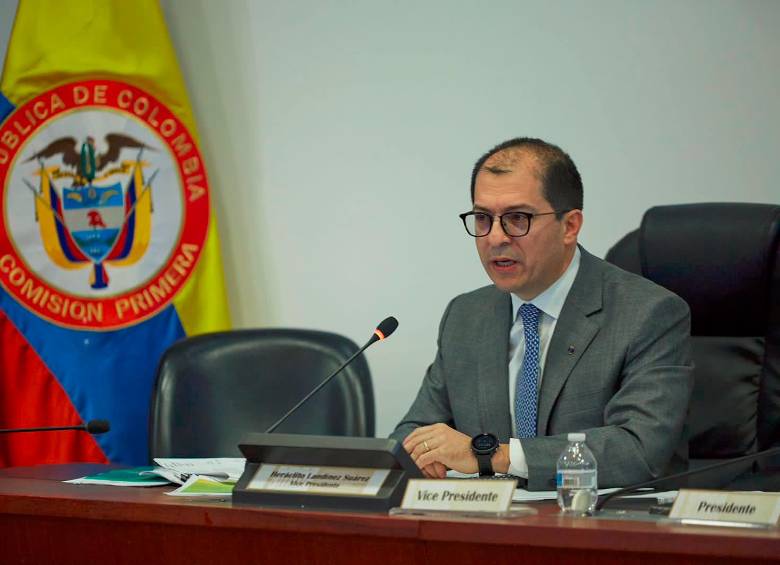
123, 477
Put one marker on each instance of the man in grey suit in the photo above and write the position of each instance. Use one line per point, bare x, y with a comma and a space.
560, 342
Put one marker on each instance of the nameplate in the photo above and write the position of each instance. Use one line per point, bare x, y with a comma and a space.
723, 506
459, 495
318, 479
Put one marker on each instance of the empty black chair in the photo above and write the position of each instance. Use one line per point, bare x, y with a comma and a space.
213, 389
722, 258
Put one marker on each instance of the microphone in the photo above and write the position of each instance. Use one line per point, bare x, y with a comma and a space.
96, 427
384, 330
651, 483
93, 427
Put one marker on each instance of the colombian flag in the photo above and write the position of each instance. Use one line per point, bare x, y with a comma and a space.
108, 243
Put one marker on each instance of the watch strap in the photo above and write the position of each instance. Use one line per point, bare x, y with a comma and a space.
485, 464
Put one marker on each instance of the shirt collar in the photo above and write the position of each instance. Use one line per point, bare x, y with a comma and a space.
551, 300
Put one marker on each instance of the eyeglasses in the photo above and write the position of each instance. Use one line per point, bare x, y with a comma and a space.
514, 224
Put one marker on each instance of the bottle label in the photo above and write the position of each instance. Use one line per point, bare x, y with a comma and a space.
576, 479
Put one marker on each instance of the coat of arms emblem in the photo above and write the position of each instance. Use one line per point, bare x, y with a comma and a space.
88, 221
104, 209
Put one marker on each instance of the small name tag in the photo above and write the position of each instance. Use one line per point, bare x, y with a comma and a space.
318, 479
458, 495
721, 506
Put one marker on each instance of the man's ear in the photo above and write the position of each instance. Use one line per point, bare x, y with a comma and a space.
572, 223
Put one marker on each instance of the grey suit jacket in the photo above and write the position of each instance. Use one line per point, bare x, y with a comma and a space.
618, 368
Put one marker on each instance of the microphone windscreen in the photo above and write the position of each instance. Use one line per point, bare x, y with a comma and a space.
386, 327
98, 426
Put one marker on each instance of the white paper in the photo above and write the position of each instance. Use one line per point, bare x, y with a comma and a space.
522, 495
225, 468
167, 474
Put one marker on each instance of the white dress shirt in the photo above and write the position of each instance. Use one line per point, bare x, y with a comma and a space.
550, 302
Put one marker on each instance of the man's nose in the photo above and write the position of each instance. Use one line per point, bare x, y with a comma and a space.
497, 235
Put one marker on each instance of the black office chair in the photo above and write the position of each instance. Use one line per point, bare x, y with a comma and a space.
215, 388
722, 258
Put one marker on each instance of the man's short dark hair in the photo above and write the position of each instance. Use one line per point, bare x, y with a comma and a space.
561, 182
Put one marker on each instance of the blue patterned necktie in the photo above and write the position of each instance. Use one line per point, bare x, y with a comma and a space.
526, 387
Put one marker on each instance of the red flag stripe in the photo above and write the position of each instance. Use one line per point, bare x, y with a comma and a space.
30, 396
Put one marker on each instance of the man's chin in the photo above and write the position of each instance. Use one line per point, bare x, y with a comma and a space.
513, 286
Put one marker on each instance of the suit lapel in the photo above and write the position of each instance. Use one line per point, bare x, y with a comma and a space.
493, 368
574, 332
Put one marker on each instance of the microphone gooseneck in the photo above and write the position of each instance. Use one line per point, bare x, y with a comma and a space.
382, 331
93, 427
653, 482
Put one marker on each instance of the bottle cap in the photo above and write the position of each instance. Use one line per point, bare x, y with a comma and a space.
576, 437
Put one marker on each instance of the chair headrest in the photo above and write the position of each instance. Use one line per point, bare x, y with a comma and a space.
719, 257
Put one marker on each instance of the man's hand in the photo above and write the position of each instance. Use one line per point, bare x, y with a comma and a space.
437, 448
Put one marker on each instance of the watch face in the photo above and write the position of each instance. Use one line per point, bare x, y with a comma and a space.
484, 442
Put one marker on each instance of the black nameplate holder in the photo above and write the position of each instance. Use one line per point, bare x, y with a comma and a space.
319, 472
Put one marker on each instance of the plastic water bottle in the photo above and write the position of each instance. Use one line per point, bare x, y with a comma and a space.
577, 477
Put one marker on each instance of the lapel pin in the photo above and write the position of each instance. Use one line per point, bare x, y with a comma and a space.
571, 350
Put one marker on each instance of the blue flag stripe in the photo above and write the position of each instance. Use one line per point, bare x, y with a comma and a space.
5, 107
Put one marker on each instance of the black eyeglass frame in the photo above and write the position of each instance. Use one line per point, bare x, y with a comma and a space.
529, 216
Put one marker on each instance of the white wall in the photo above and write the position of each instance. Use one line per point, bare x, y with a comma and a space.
340, 138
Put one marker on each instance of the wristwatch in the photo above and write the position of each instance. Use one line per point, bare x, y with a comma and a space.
484, 446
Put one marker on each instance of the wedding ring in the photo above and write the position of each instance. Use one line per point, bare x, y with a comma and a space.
425, 445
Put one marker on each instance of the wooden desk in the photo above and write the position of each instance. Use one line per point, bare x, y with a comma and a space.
45, 521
